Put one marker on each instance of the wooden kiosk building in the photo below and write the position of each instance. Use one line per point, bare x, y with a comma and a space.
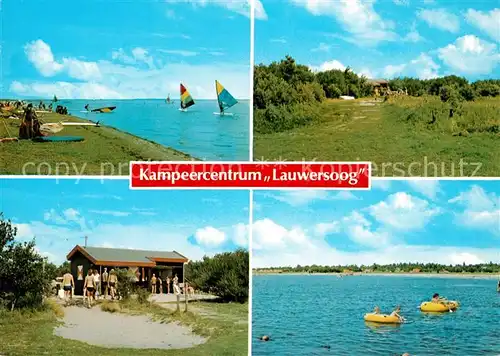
143, 264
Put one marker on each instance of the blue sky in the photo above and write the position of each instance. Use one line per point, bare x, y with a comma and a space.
397, 221
124, 49
59, 213
384, 38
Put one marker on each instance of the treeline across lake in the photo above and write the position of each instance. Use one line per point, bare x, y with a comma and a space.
287, 94
391, 268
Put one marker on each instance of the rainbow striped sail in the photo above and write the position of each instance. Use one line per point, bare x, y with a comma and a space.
186, 99
225, 99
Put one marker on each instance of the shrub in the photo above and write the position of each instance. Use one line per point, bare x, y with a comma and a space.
468, 93
225, 275
23, 279
126, 283
333, 91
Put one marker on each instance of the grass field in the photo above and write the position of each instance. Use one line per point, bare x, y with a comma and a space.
31, 333
398, 136
105, 151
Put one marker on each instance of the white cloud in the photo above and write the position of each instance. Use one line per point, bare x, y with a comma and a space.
268, 235
111, 213
381, 184
367, 73
328, 65
278, 40
241, 7
40, 54
401, 211
24, 231
240, 235
402, 2
481, 210
180, 52
357, 17
429, 188
300, 197
470, 55
322, 47
323, 229
322, 255
307, 196
259, 11
210, 236
488, 22
440, 19
466, 257
359, 230
422, 67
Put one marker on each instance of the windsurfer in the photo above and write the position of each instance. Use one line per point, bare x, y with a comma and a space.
87, 107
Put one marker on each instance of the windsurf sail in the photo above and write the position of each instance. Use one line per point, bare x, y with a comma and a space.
168, 99
55, 99
224, 99
186, 99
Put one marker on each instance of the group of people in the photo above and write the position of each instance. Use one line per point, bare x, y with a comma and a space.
93, 285
157, 284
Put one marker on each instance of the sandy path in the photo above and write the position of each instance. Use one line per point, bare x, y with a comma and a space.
96, 327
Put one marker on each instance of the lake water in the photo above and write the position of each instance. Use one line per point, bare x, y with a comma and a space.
197, 132
304, 313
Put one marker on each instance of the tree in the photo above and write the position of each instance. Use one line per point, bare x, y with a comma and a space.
225, 275
24, 279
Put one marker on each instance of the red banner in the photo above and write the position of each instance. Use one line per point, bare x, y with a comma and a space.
238, 175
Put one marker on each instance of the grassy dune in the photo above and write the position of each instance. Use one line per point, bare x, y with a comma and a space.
225, 325
399, 136
105, 151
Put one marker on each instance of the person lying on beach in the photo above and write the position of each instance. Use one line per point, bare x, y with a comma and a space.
376, 310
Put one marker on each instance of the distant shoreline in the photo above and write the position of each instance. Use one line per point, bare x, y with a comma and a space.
406, 274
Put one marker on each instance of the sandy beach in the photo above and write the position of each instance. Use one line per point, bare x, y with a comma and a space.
100, 328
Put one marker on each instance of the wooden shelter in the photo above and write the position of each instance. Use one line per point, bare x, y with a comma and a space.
380, 86
141, 263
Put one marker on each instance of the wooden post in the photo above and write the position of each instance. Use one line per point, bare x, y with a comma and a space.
184, 287
178, 302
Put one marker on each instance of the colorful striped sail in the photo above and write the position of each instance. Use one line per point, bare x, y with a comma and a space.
186, 99
225, 99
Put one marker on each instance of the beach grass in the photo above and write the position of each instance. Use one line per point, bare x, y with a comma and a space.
225, 325
104, 151
398, 136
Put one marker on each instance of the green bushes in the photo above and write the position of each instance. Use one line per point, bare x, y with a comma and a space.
225, 275
24, 281
283, 94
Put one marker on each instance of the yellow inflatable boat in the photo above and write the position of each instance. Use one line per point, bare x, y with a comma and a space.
382, 318
442, 307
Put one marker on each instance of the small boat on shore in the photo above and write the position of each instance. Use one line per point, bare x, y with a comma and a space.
104, 110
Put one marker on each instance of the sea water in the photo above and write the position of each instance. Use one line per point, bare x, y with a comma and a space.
323, 315
197, 132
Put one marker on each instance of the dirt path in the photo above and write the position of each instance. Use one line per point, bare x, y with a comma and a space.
100, 328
